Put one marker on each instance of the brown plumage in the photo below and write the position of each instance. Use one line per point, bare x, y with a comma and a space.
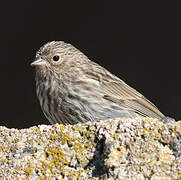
73, 89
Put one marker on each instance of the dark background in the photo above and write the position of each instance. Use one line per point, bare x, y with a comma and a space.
137, 42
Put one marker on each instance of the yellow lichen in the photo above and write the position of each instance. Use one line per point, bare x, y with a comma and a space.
28, 171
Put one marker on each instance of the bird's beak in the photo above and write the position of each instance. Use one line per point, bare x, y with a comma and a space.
38, 62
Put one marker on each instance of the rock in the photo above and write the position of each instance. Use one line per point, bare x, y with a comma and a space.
140, 148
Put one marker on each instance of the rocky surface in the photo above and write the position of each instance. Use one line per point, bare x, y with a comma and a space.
141, 148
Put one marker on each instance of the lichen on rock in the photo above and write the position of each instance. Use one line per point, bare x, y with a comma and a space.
123, 148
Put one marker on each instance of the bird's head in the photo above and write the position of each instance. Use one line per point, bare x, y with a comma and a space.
57, 56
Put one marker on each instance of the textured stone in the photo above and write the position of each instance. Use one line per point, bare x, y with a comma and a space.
140, 148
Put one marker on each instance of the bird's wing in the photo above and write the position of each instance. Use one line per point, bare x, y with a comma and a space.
119, 92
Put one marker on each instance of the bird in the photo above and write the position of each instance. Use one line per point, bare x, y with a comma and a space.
73, 89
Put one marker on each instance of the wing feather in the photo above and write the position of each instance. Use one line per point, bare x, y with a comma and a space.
118, 91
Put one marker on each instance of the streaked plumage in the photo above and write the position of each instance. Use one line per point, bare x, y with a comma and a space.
74, 89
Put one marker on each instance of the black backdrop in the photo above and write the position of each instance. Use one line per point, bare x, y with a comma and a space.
138, 42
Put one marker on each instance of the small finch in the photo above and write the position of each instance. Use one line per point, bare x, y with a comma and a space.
73, 89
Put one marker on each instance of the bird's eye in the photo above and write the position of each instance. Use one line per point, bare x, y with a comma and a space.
56, 58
